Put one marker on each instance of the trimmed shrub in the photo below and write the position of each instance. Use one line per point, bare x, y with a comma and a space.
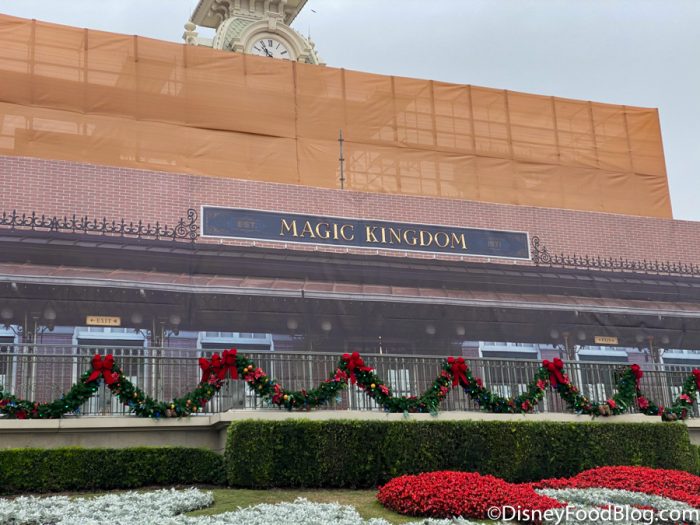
339, 453
45, 470
696, 448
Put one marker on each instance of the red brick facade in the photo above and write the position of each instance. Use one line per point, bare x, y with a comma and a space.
67, 188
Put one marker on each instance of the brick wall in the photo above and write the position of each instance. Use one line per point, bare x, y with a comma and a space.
65, 188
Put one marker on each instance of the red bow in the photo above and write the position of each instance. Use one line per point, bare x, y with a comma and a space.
216, 366
554, 369
637, 373
229, 363
205, 365
103, 367
459, 370
354, 363
216, 362
696, 373
219, 365
278, 395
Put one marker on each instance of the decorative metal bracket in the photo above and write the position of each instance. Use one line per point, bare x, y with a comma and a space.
186, 229
542, 257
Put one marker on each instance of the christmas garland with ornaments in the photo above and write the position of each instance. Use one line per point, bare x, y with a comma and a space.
351, 369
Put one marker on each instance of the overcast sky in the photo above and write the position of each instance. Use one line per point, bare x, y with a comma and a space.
634, 52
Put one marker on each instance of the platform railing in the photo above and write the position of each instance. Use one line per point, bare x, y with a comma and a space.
44, 372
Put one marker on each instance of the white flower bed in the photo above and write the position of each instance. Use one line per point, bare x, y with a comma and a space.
165, 507
596, 497
632, 507
129, 507
300, 512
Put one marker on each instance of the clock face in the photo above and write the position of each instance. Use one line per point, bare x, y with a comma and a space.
270, 47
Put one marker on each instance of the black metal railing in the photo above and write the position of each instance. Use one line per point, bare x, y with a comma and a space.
186, 229
44, 372
543, 257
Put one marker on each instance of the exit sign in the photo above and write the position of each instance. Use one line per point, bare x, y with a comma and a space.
605, 340
103, 320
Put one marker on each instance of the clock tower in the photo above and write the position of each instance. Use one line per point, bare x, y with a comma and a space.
256, 27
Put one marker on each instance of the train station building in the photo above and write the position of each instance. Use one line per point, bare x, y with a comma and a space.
175, 199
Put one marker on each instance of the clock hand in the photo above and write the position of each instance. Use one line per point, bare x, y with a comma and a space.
265, 49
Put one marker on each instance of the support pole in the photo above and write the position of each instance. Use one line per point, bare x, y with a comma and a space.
342, 160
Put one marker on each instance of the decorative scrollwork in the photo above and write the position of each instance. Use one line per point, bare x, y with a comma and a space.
542, 257
186, 229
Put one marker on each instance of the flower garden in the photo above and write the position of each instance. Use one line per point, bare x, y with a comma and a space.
632, 494
602, 495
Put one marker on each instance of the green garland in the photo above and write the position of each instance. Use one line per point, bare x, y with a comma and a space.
551, 374
351, 369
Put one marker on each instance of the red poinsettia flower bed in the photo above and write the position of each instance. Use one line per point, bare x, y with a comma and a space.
673, 484
446, 494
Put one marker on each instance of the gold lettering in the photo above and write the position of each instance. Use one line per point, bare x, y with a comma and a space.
335, 231
307, 229
346, 237
422, 235
286, 228
459, 240
445, 237
323, 230
410, 239
394, 236
370, 236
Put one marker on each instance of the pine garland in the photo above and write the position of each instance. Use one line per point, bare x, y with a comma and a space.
350, 369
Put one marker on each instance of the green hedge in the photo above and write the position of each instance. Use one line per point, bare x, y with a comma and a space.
44, 470
696, 448
302, 453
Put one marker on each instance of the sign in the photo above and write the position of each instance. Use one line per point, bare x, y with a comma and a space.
360, 233
605, 340
102, 320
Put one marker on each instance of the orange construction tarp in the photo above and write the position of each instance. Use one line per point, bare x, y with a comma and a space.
83, 95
